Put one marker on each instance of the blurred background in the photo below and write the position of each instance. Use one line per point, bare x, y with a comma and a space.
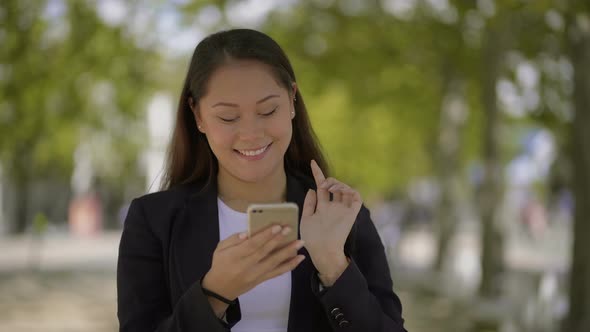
462, 123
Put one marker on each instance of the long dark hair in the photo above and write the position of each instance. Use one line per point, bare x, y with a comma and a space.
189, 157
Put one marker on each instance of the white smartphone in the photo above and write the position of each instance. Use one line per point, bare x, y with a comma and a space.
261, 216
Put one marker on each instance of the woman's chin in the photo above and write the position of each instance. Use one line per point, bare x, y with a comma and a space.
258, 173
253, 176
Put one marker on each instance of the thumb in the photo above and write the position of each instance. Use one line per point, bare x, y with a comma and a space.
309, 204
232, 240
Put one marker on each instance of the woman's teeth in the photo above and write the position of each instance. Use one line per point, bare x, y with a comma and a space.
253, 153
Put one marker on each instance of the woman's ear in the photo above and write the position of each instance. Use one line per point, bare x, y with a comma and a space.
196, 114
294, 99
294, 89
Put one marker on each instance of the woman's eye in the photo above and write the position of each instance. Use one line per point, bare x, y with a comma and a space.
227, 120
270, 113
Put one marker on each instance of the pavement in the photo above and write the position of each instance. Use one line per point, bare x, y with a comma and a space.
65, 283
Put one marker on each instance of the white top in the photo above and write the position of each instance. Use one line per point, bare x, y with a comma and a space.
265, 308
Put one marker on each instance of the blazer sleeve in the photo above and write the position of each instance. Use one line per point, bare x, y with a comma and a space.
143, 299
362, 299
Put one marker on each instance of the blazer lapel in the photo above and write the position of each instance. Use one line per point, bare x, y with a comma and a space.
195, 237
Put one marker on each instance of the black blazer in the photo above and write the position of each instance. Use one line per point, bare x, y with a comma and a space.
167, 247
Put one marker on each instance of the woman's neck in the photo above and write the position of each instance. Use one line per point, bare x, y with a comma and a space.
238, 194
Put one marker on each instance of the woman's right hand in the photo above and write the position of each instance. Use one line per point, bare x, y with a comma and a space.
241, 263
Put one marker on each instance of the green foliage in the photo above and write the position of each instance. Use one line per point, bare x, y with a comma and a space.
64, 78
374, 83
374, 86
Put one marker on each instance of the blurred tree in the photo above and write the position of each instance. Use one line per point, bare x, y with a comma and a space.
367, 89
66, 77
490, 187
507, 31
578, 33
453, 56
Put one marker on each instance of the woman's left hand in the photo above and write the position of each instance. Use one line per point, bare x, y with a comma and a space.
325, 224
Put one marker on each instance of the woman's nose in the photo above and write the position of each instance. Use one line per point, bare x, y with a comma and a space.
251, 129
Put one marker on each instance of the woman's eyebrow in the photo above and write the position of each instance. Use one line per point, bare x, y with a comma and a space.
235, 105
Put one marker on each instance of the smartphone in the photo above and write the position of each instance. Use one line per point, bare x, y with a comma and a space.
261, 216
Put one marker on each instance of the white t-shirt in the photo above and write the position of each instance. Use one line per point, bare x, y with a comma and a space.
265, 308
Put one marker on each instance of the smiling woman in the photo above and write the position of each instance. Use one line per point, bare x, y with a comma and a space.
246, 116
243, 137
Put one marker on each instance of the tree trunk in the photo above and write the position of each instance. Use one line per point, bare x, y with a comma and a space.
490, 191
579, 39
451, 123
19, 173
21, 204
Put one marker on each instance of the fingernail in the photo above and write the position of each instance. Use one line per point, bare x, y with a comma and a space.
300, 244
286, 230
276, 229
242, 236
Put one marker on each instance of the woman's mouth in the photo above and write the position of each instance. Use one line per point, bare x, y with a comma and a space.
253, 154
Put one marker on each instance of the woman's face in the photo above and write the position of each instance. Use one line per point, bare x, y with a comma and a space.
246, 116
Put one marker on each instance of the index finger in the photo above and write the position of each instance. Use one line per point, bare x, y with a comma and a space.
318, 175
323, 196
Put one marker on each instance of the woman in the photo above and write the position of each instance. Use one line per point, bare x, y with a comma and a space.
243, 136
